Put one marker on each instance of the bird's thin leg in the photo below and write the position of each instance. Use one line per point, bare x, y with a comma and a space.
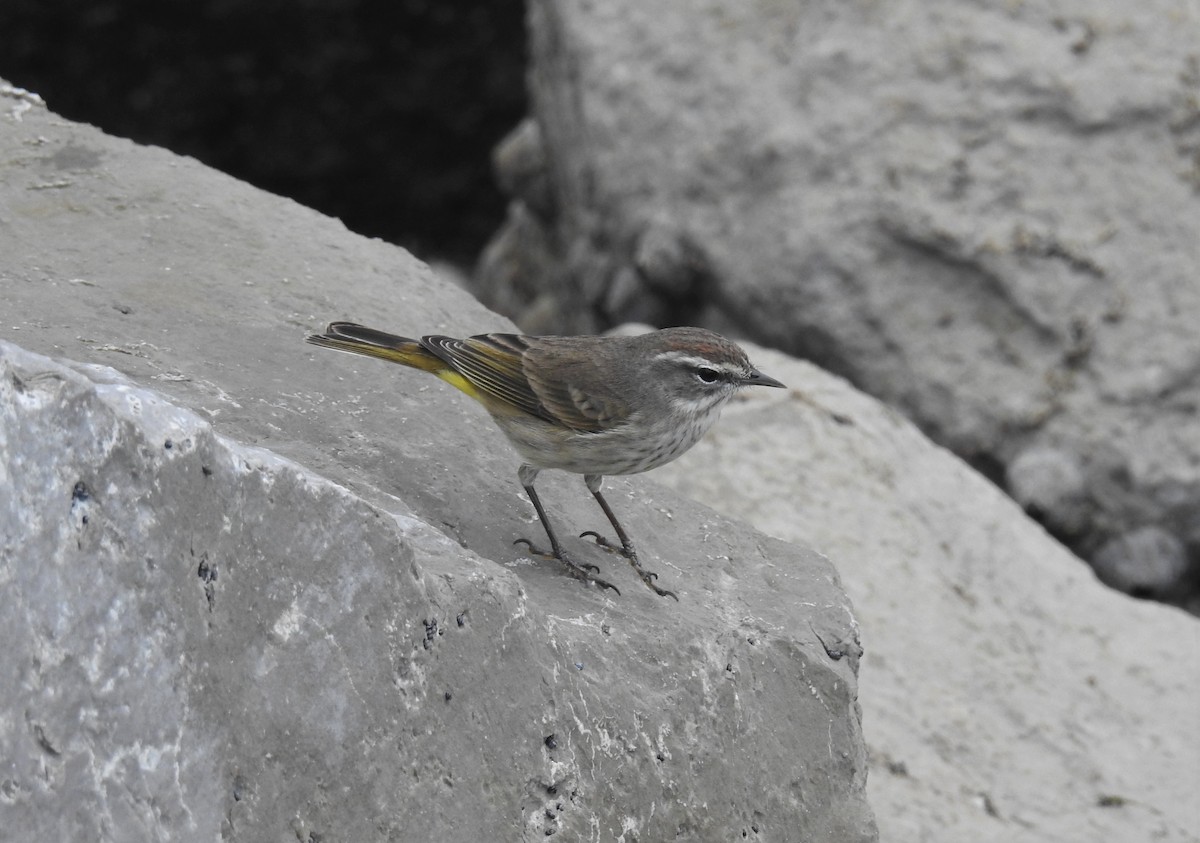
626, 549
528, 474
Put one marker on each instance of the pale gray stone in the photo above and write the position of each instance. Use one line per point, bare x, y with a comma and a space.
1148, 561
514, 265
335, 639
519, 161
1052, 485
664, 260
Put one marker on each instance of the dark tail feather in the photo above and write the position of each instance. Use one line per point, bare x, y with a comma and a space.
361, 333
359, 339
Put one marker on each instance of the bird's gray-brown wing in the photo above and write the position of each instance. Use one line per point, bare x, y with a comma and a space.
574, 387
561, 382
492, 364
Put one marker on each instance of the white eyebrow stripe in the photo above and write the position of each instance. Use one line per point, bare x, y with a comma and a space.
696, 362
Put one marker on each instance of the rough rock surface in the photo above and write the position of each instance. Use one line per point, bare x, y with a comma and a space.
204, 640
1007, 695
983, 213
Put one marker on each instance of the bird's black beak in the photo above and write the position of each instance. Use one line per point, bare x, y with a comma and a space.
757, 378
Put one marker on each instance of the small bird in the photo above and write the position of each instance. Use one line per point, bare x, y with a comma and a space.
587, 405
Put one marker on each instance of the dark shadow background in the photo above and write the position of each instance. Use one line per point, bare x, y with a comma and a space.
383, 114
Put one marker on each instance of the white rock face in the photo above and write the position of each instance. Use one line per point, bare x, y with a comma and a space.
335, 638
1007, 694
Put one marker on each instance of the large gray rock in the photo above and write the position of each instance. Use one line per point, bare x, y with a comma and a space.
1007, 695
206, 640
985, 214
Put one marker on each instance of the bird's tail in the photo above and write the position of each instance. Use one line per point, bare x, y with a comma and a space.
359, 339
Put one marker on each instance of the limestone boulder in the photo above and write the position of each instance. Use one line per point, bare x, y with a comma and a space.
255, 590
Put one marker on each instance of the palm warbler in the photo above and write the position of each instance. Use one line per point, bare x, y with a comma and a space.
588, 405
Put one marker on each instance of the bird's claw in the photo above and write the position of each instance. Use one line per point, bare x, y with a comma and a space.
583, 567
661, 592
606, 544
586, 572
533, 548
648, 577
578, 571
600, 540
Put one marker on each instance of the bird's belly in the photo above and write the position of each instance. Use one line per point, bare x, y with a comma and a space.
623, 450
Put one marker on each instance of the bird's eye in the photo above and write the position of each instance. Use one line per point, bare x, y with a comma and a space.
708, 375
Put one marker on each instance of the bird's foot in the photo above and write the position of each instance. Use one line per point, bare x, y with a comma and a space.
580, 571
648, 578
550, 554
629, 553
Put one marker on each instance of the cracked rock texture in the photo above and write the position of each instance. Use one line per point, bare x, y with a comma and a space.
1007, 694
983, 213
257, 591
